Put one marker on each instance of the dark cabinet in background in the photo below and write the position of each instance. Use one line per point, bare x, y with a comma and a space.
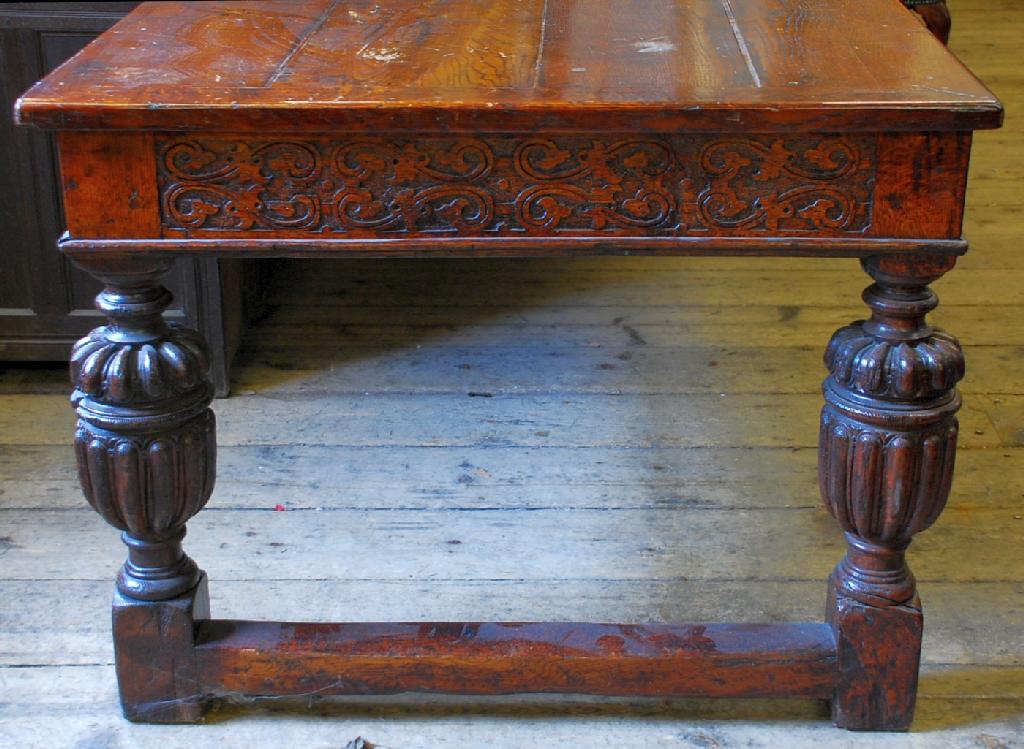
45, 302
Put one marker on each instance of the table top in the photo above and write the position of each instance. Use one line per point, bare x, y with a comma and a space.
655, 65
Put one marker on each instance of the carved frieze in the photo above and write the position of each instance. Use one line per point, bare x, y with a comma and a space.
516, 185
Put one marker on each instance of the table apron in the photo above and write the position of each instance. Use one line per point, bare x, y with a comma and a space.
509, 194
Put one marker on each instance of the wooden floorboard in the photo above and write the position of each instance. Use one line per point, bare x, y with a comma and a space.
601, 439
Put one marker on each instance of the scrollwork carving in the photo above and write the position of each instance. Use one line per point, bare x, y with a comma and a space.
543, 160
601, 186
203, 161
234, 184
508, 184
734, 200
463, 161
547, 206
827, 160
464, 208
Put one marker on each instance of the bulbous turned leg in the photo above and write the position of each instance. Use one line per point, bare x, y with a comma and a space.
146, 460
885, 464
935, 16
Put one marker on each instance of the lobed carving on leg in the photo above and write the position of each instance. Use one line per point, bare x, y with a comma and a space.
885, 465
145, 440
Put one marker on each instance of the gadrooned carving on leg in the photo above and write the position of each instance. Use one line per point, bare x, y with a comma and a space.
145, 440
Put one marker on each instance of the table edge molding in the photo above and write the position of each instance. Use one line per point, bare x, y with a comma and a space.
517, 246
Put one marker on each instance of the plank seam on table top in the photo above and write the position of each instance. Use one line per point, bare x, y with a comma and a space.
303, 40
921, 41
538, 70
741, 43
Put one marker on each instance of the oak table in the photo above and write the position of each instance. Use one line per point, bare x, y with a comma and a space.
433, 128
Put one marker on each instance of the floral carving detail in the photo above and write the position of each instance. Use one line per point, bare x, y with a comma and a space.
206, 185
466, 160
883, 368
622, 186
190, 160
465, 208
507, 185
117, 372
545, 161
734, 200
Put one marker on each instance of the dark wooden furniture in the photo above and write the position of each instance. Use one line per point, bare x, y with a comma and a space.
497, 127
935, 15
45, 301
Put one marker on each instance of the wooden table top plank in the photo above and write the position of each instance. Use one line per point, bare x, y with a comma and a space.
365, 51
515, 65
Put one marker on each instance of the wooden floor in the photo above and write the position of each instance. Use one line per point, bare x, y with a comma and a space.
607, 439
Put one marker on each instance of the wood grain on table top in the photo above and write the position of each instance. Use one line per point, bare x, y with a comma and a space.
516, 65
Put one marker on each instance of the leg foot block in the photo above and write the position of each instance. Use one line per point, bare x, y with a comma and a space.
154, 649
878, 650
